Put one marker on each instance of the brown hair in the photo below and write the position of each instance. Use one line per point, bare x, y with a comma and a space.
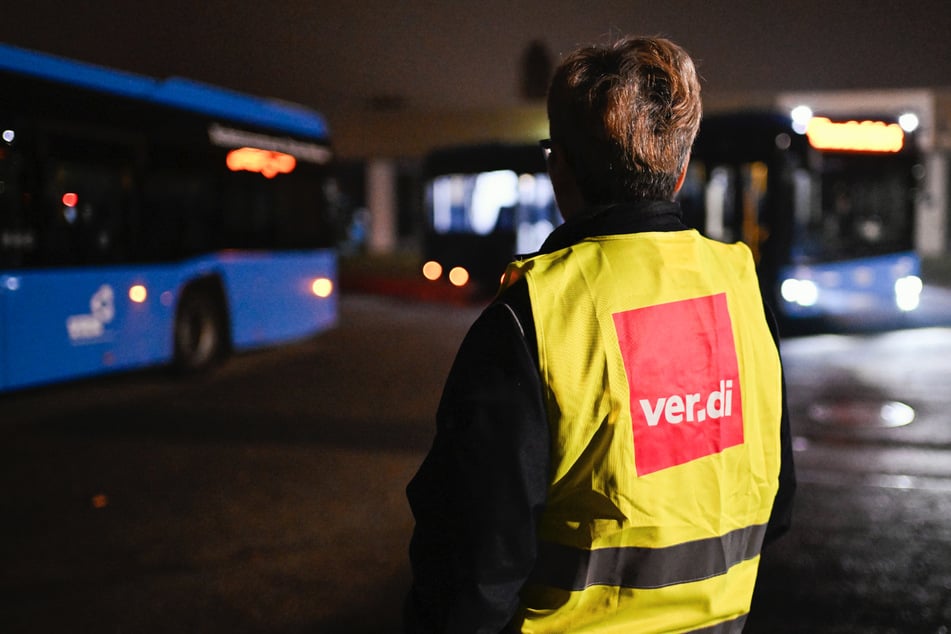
626, 114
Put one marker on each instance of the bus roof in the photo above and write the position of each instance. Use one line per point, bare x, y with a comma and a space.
175, 92
744, 134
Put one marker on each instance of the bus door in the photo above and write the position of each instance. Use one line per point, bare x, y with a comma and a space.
726, 201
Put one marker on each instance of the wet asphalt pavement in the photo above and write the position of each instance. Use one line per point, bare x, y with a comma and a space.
268, 497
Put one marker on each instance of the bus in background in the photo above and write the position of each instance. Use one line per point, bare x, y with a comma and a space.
483, 204
827, 207
148, 222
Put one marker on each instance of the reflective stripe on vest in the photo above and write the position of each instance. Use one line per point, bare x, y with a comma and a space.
571, 568
663, 398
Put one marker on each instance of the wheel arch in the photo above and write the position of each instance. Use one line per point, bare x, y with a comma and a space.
208, 290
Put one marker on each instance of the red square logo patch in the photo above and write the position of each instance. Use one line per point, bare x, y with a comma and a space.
681, 367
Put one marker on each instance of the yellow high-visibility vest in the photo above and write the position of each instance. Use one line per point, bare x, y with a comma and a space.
663, 394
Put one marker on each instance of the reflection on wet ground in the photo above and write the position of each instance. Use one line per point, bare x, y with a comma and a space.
872, 409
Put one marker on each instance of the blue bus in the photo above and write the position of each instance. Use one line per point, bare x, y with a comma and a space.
148, 222
826, 205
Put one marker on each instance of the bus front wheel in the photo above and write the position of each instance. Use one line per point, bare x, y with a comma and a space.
200, 337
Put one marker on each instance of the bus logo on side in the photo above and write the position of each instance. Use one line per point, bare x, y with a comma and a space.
102, 310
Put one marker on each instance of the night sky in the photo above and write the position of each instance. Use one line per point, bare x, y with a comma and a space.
436, 55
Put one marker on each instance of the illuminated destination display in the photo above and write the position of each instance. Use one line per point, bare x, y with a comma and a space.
855, 136
265, 162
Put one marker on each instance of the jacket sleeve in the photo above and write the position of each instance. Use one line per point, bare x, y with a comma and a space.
479, 492
780, 518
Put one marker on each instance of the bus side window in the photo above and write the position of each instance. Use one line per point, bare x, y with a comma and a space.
720, 204
178, 215
17, 236
87, 202
691, 196
729, 204
86, 206
755, 227
806, 218
247, 216
536, 214
303, 217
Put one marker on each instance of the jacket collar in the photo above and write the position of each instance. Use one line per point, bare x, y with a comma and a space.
647, 215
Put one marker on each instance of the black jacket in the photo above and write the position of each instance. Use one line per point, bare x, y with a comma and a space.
479, 493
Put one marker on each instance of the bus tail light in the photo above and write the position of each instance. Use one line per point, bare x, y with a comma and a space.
458, 276
432, 270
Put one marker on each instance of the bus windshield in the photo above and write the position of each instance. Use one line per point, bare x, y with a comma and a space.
492, 202
484, 204
829, 221
852, 205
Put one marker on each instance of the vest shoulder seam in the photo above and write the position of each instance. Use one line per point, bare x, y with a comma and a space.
518, 322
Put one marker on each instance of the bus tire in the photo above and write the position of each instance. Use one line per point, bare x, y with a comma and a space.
200, 335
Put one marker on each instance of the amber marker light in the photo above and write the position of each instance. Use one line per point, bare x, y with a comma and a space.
432, 270
458, 276
138, 293
322, 287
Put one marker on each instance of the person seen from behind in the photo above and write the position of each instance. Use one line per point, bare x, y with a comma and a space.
612, 445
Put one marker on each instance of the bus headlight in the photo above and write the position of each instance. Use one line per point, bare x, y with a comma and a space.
322, 287
908, 292
802, 292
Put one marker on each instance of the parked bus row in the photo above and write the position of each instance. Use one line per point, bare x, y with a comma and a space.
150, 222
826, 206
